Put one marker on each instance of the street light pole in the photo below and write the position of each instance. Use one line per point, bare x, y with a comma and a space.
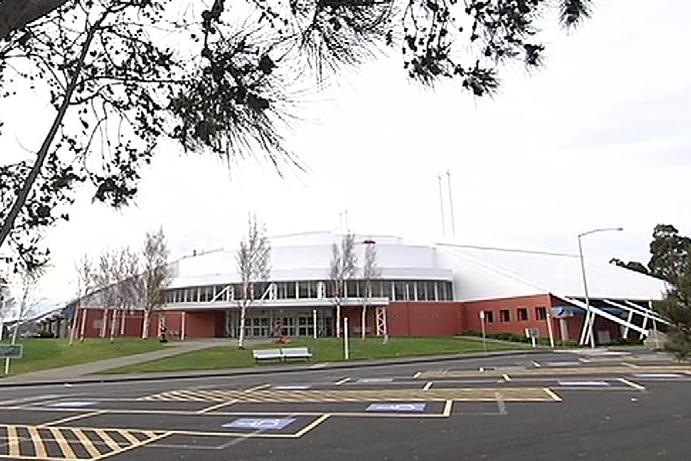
589, 317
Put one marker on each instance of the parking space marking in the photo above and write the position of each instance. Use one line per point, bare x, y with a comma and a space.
632, 384
552, 394
72, 418
428, 386
619, 369
28, 442
365, 395
216, 407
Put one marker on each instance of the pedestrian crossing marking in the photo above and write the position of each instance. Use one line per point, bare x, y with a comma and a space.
27, 442
522, 394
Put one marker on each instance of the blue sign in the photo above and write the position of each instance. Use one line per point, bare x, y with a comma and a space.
261, 423
402, 407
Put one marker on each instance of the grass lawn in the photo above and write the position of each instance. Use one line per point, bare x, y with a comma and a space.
324, 350
46, 353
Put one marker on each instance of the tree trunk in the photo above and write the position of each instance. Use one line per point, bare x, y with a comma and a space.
363, 323
146, 324
75, 321
82, 326
123, 317
113, 318
42, 154
104, 323
241, 335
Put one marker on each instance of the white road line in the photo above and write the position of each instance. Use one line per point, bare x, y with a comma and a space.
506, 377
342, 381
427, 386
632, 384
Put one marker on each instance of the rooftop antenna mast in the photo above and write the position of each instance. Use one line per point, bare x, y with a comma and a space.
441, 203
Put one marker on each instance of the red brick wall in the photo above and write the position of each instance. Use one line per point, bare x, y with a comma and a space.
92, 317
472, 315
425, 318
203, 324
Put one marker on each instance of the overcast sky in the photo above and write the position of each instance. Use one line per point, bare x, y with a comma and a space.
599, 137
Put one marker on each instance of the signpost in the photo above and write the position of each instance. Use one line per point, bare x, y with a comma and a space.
484, 335
346, 350
533, 334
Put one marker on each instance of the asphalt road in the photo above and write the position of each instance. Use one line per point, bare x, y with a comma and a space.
635, 406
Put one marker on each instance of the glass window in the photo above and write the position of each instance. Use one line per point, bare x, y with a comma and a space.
312, 291
399, 291
422, 291
321, 290
522, 314
432, 291
541, 313
352, 289
504, 315
386, 289
303, 290
489, 316
291, 290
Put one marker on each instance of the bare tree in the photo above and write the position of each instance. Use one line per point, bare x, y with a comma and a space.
254, 265
370, 272
104, 283
85, 280
125, 275
155, 276
117, 282
28, 281
342, 269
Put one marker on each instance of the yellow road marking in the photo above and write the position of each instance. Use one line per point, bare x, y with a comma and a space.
448, 406
37, 441
388, 395
13, 441
86, 442
256, 388
216, 407
107, 439
621, 369
72, 418
552, 394
312, 425
428, 386
65, 447
632, 384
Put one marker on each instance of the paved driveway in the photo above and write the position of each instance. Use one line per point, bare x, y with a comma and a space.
528, 407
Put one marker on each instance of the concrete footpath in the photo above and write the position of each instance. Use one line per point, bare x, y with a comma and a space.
93, 372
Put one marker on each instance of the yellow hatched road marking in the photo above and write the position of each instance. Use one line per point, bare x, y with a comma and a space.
37, 441
29, 442
13, 441
107, 439
387, 395
86, 442
66, 448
